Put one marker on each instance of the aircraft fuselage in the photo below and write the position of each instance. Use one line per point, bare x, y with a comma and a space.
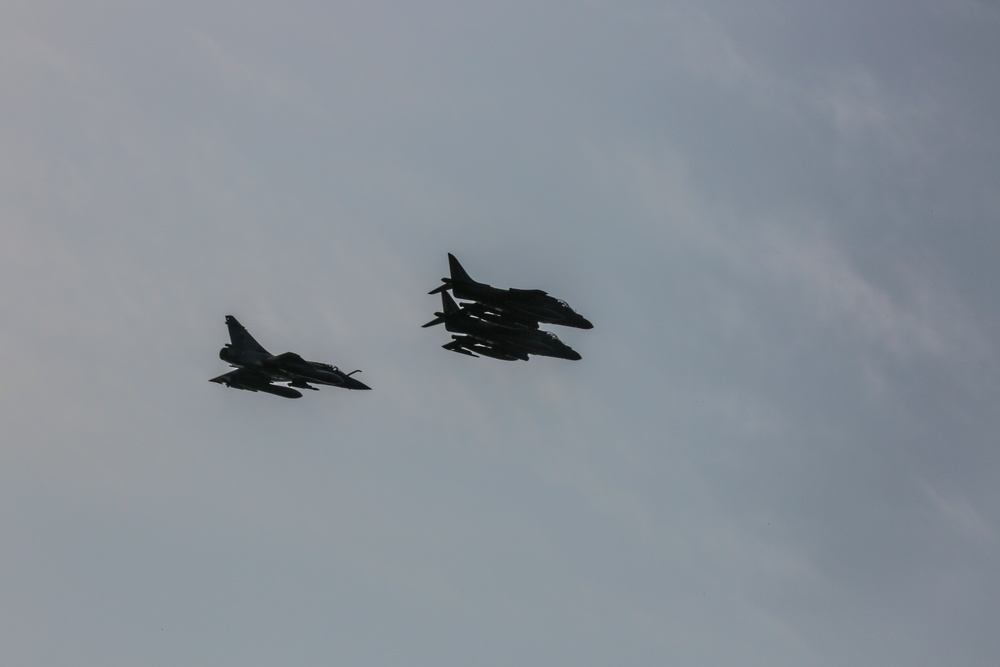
283, 369
244, 358
509, 341
537, 304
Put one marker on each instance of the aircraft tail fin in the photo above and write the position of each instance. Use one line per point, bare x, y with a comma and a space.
241, 337
448, 306
458, 274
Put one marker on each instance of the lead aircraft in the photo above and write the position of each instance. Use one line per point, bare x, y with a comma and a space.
258, 370
516, 306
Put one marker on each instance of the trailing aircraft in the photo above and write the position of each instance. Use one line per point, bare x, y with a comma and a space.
258, 370
507, 342
517, 305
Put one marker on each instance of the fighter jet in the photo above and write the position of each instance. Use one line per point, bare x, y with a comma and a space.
507, 342
519, 305
258, 370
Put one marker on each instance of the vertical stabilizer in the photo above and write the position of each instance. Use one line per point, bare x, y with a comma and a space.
242, 340
458, 274
448, 304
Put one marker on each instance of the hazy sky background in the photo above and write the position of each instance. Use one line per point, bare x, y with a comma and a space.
780, 447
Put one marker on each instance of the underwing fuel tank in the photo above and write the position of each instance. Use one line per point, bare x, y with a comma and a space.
267, 388
279, 390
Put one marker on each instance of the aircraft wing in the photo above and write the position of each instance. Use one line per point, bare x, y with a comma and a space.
241, 376
510, 318
470, 345
254, 380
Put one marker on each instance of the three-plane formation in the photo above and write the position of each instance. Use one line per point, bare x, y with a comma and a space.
497, 323
259, 370
502, 323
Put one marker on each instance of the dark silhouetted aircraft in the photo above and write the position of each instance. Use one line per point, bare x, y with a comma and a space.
257, 369
499, 341
523, 306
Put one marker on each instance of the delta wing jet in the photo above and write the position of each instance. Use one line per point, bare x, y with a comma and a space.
507, 342
258, 370
515, 305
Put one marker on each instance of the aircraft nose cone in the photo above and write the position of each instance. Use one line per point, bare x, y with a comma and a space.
573, 355
351, 383
585, 324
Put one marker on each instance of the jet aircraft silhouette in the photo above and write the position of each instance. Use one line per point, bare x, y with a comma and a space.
258, 370
500, 341
518, 306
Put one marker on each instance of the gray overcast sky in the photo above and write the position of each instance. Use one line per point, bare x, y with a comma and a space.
780, 447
